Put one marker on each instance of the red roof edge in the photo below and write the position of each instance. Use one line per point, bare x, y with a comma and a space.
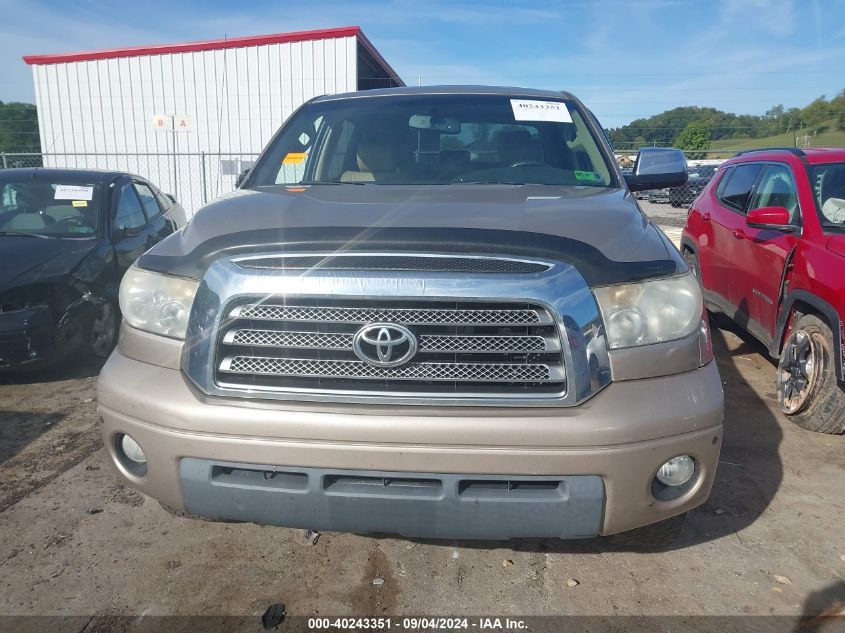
363, 41
212, 45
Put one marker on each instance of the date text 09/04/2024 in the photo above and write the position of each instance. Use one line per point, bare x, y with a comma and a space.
418, 624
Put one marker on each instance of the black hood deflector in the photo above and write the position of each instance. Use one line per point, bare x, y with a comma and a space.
601, 232
594, 266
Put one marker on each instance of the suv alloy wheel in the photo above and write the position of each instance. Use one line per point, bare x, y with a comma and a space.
806, 383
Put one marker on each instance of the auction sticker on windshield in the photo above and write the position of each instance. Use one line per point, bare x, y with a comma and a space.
73, 192
530, 110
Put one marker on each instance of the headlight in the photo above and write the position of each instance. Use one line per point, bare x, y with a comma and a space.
650, 312
157, 303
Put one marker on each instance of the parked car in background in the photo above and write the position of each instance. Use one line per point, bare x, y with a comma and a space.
659, 196
66, 238
698, 178
767, 238
432, 311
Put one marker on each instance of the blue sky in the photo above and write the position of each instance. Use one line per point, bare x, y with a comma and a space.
625, 58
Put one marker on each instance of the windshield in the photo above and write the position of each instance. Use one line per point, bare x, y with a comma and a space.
49, 207
829, 188
435, 139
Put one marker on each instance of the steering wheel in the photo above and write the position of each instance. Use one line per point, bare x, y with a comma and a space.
529, 163
71, 221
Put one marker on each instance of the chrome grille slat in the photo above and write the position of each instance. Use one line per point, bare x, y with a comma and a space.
427, 342
452, 372
408, 316
295, 340
472, 344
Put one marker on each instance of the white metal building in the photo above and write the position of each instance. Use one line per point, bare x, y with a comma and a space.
191, 116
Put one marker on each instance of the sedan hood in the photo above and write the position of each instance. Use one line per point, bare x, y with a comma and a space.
25, 259
601, 231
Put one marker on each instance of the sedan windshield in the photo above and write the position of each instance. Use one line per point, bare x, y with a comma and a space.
48, 207
435, 139
829, 188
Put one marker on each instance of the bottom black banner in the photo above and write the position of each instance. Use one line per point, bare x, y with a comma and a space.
277, 620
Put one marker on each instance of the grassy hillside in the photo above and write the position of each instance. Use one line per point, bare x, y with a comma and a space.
829, 136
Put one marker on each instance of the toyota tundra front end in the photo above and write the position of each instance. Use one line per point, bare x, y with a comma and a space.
430, 312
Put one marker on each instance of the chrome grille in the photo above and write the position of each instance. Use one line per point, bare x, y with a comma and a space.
463, 347
427, 343
406, 316
469, 372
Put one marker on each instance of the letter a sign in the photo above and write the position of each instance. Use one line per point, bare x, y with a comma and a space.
171, 123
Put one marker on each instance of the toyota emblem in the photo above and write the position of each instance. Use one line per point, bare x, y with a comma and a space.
384, 344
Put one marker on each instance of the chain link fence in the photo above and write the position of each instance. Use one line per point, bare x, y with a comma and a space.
193, 178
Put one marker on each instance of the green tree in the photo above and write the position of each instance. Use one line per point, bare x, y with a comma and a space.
817, 113
19, 128
695, 139
837, 105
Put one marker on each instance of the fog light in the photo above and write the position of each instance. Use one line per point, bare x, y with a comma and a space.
132, 450
677, 471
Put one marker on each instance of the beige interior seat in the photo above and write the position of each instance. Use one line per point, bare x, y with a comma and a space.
376, 157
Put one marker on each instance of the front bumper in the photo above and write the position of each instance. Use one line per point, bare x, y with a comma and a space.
618, 438
428, 505
27, 338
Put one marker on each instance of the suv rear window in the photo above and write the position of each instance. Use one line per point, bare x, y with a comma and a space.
736, 191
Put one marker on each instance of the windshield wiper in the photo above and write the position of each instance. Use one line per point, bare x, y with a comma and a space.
20, 233
325, 182
832, 225
488, 182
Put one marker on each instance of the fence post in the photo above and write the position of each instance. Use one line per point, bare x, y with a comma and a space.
204, 182
5, 165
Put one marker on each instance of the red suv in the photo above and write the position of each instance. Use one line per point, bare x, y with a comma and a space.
766, 238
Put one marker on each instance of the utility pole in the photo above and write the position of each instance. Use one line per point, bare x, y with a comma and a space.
173, 134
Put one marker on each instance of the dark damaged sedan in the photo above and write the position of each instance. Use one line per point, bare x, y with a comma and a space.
66, 238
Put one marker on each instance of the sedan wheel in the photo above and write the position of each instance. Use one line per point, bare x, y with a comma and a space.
104, 330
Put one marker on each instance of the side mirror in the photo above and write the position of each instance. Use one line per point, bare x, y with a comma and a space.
656, 168
773, 218
241, 177
121, 232
171, 197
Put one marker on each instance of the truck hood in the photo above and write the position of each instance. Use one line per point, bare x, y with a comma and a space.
600, 231
25, 259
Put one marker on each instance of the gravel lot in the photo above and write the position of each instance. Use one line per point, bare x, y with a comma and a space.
77, 542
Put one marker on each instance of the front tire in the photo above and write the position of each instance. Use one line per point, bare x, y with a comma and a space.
104, 330
807, 387
692, 261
